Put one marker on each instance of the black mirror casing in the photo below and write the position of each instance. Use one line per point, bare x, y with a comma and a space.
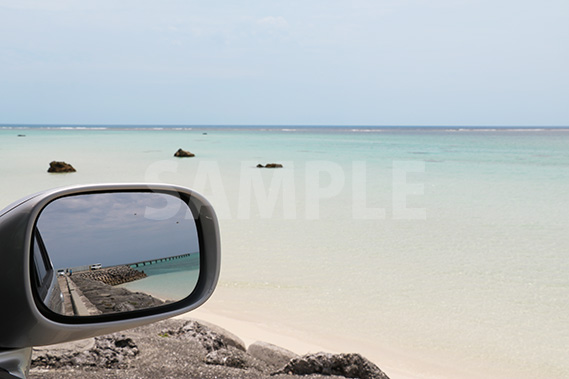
25, 321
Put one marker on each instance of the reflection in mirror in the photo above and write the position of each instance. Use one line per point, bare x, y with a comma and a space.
114, 252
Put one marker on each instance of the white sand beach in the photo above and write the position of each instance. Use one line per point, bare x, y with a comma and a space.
250, 330
396, 366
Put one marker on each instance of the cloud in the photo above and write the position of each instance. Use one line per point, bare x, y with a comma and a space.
278, 22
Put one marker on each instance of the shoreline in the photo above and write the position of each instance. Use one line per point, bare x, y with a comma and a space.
397, 365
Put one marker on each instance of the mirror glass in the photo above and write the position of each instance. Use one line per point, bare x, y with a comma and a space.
114, 252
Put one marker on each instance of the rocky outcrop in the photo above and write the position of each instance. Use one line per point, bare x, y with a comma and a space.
183, 154
261, 354
169, 349
222, 348
229, 339
270, 165
111, 351
347, 365
274, 356
210, 339
56, 166
227, 357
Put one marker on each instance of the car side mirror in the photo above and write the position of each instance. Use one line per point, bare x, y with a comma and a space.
83, 261
114, 252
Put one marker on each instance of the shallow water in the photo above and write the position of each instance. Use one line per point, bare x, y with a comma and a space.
450, 246
169, 280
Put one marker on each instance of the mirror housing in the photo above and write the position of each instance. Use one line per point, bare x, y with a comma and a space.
25, 320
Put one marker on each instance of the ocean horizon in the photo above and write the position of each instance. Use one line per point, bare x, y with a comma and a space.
283, 127
442, 245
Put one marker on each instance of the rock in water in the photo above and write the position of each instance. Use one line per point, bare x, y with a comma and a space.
347, 365
270, 165
184, 154
56, 166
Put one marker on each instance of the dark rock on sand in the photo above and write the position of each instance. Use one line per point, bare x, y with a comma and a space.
227, 357
111, 351
270, 165
275, 356
159, 356
347, 365
56, 166
222, 347
229, 339
211, 340
183, 154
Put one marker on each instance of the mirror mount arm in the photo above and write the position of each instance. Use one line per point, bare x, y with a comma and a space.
15, 363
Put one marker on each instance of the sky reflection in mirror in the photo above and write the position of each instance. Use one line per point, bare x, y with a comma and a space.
116, 228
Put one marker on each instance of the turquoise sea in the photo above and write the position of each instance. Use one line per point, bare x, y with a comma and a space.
168, 280
442, 250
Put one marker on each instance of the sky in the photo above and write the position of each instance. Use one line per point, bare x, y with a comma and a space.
267, 62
